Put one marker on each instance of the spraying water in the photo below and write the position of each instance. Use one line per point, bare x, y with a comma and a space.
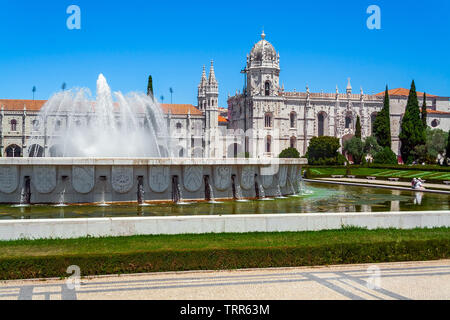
77, 126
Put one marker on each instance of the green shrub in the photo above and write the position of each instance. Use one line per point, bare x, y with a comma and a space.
385, 156
323, 150
289, 153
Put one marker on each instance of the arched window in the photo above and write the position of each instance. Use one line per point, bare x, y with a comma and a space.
293, 118
434, 123
267, 88
13, 151
13, 125
348, 122
293, 142
35, 124
321, 126
36, 151
178, 126
268, 144
58, 125
268, 120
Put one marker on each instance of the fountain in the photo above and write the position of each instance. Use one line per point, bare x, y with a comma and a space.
209, 192
279, 194
104, 145
61, 199
131, 126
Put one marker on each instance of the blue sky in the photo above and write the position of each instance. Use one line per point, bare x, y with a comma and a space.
321, 43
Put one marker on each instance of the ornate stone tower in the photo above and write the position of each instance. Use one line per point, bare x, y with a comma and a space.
201, 95
263, 69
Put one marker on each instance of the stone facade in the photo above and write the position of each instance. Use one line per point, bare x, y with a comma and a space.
279, 119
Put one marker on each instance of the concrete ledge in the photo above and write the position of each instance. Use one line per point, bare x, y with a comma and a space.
103, 227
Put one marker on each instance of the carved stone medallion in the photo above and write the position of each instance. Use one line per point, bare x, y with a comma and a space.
159, 178
83, 178
192, 177
44, 178
282, 175
122, 178
247, 177
8, 178
222, 177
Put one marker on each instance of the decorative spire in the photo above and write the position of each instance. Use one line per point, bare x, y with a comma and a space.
263, 35
212, 77
203, 80
337, 89
349, 87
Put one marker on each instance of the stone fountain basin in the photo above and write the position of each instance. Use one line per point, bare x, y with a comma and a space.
91, 180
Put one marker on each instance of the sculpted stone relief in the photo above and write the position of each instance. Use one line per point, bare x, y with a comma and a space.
122, 178
222, 177
247, 177
44, 178
83, 178
159, 178
193, 176
9, 178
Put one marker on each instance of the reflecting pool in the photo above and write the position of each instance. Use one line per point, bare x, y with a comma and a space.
315, 198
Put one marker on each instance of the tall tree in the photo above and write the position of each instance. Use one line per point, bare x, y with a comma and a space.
358, 128
424, 111
412, 132
382, 124
150, 86
447, 150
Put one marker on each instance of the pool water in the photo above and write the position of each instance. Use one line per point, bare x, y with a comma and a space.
317, 198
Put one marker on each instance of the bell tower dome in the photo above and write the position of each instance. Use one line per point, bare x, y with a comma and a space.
263, 69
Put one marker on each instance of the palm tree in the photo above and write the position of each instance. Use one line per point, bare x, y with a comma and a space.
63, 86
33, 90
171, 92
162, 99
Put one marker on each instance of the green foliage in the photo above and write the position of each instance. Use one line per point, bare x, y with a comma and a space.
358, 128
220, 251
447, 149
355, 147
436, 142
323, 150
150, 86
385, 156
412, 130
382, 124
424, 111
289, 153
371, 146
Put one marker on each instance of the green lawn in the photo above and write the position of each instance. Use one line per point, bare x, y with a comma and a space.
50, 258
382, 173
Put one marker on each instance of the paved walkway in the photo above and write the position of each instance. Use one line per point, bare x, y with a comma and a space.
407, 280
389, 184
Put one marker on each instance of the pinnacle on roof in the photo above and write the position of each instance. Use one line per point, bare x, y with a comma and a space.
212, 77
349, 86
203, 80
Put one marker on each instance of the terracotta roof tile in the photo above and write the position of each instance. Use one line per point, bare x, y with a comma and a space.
431, 111
404, 92
222, 119
18, 104
180, 109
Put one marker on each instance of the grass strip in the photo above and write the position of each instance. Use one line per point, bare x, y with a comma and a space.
118, 255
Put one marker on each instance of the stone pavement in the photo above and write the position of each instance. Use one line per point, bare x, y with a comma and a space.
405, 280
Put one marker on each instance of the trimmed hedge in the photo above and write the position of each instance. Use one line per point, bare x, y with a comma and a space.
214, 259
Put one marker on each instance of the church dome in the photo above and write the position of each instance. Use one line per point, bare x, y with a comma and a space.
263, 52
